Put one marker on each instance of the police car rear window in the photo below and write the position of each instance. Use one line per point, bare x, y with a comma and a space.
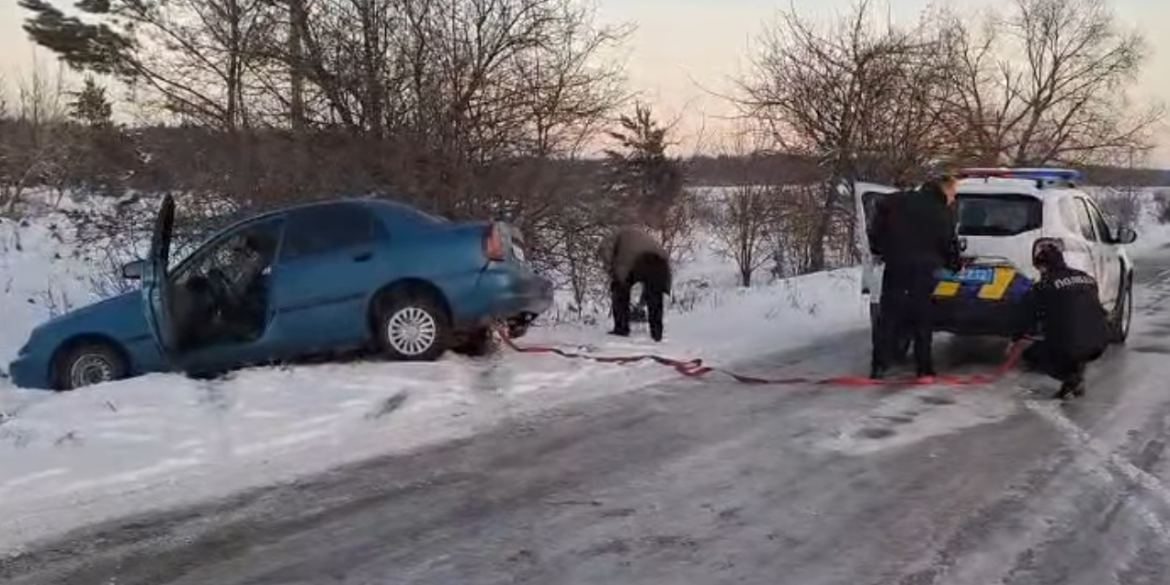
998, 215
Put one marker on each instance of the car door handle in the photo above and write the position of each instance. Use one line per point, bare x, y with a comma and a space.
363, 256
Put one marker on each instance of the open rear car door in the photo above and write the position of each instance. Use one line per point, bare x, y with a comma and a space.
867, 197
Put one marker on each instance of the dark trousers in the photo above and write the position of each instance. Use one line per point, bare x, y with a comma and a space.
905, 312
653, 273
1054, 362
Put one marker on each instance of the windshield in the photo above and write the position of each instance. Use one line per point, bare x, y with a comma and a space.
998, 215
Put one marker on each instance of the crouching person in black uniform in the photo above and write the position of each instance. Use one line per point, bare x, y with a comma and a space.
1066, 306
631, 256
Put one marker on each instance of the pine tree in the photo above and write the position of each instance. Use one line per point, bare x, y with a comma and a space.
83, 46
99, 147
642, 172
645, 179
90, 106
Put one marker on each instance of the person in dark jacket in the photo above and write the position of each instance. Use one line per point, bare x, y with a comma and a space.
631, 256
1066, 306
913, 233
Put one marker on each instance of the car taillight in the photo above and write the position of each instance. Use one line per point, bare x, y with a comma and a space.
493, 244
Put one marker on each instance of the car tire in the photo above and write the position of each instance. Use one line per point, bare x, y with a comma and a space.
902, 352
412, 326
88, 364
1122, 317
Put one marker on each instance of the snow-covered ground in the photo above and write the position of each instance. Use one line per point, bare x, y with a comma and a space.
163, 440
72, 459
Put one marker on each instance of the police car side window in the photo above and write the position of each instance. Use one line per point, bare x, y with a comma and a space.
1084, 220
1068, 214
1103, 229
329, 228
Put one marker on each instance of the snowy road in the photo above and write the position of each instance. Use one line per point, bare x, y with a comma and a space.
711, 482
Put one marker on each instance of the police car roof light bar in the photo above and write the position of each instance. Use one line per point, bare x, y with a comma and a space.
1033, 174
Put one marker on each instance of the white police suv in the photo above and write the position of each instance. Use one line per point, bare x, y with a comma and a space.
1003, 213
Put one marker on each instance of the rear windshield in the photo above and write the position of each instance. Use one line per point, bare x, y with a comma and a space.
998, 215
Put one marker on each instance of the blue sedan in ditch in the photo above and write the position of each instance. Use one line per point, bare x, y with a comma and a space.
305, 280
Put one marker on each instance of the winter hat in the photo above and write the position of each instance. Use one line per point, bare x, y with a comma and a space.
1048, 255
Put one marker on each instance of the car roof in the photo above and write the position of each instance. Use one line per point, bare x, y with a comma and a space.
386, 205
1004, 186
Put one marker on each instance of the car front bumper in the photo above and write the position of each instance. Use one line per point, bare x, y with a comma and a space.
28, 372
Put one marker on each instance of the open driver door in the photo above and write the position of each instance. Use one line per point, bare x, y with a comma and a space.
156, 293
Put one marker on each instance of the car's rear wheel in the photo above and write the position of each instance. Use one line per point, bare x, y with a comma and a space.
413, 326
1122, 313
88, 364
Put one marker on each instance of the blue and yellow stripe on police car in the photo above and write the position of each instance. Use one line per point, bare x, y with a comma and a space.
1006, 283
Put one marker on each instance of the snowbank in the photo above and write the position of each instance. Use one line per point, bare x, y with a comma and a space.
158, 441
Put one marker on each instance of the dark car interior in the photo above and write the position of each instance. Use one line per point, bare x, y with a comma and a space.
222, 294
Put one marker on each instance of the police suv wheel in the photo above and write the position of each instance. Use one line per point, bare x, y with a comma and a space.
1122, 314
412, 326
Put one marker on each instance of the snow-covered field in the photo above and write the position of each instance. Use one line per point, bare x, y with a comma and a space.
72, 459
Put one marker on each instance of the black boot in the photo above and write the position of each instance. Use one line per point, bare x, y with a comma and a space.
1071, 388
877, 372
1074, 384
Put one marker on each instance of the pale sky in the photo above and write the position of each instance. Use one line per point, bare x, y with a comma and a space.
684, 50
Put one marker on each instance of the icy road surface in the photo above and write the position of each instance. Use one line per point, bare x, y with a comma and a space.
712, 482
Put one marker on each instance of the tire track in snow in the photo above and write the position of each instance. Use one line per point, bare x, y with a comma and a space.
1077, 492
1111, 463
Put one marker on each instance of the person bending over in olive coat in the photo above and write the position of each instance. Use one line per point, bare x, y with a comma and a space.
631, 256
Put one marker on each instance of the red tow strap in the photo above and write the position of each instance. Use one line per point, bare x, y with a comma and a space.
695, 368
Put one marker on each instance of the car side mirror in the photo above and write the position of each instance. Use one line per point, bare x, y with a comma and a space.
1125, 236
133, 270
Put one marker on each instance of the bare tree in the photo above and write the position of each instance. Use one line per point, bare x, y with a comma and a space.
855, 97
463, 107
742, 226
1064, 102
743, 216
33, 142
192, 57
795, 241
